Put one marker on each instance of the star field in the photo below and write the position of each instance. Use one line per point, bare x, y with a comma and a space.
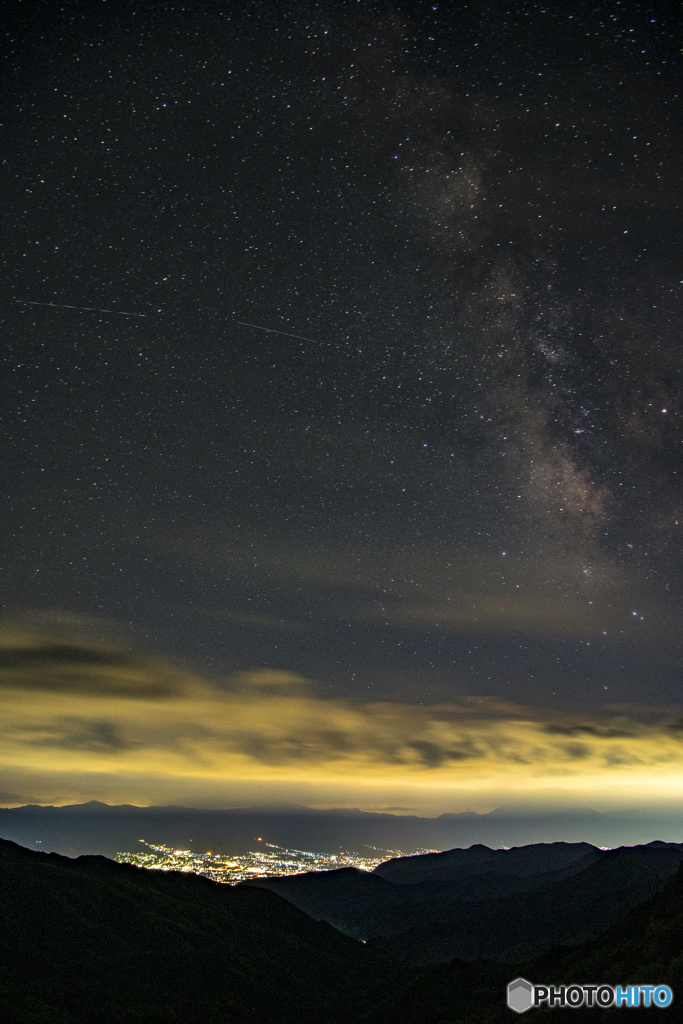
445, 461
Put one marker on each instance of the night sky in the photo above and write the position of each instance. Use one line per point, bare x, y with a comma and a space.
413, 539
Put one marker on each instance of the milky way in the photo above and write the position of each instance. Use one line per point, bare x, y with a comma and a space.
446, 464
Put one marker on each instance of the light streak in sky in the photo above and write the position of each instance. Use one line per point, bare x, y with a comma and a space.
272, 331
89, 309
117, 312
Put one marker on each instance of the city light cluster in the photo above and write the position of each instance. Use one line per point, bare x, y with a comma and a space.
255, 864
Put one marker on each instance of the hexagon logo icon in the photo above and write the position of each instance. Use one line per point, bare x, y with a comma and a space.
520, 995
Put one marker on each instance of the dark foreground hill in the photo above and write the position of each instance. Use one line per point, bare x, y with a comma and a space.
467, 864
504, 905
89, 941
645, 947
94, 942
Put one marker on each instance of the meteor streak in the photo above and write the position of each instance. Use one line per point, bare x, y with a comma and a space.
271, 330
89, 309
118, 312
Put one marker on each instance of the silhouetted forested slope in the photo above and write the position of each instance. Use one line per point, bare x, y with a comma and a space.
368, 905
644, 947
486, 913
455, 865
94, 942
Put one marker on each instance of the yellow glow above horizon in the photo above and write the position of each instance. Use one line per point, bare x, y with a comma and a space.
86, 721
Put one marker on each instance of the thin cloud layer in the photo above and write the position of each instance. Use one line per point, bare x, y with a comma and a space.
75, 707
45, 662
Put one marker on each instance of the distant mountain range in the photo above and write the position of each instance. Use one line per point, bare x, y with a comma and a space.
97, 828
88, 941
